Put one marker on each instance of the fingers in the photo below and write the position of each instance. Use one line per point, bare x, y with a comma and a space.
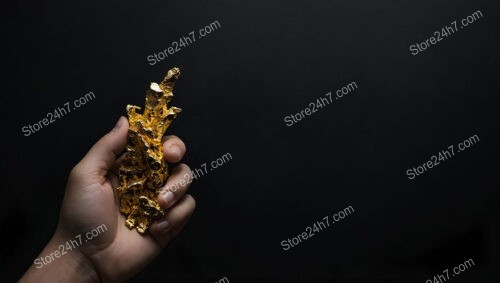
173, 148
173, 222
103, 154
176, 186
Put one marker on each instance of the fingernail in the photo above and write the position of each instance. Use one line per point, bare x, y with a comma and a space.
167, 196
119, 123
163, 225
176, 150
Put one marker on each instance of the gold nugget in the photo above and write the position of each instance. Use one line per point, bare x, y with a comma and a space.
144, 170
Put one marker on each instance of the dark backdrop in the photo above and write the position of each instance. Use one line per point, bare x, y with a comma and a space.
267, 60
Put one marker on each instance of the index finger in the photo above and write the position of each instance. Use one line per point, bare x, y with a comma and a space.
173, 148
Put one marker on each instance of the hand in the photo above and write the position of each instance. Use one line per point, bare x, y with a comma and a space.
90, 204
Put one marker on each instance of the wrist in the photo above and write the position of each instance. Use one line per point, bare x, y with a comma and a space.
56, 263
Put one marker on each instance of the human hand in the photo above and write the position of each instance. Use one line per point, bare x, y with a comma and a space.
90, 201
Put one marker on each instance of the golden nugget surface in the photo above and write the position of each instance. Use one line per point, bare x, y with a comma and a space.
143, 170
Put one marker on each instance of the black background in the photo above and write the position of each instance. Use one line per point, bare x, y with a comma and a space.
270, 59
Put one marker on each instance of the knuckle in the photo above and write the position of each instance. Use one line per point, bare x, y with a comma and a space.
178, 141
174, 216
165, 138
191, 201
181, 169
184, 167
174, 231
75, 172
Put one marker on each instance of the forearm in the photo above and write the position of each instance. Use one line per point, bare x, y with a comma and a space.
72, 266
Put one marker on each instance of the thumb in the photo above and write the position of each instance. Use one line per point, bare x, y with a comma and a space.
102, 156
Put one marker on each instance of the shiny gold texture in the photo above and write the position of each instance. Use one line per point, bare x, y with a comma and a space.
143, 170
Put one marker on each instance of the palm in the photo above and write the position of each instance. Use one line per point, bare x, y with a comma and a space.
92, 205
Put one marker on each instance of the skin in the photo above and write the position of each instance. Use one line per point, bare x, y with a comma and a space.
90, 201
